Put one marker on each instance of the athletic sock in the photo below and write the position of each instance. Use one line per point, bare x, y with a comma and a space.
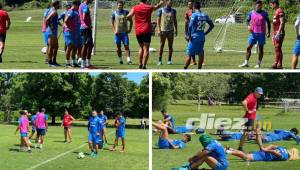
246, 62
128, 59
88, 62
170, 58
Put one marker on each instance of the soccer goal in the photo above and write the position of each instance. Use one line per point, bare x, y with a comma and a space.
290, 104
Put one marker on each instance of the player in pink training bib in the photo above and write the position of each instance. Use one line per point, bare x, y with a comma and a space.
41, 127
24, 129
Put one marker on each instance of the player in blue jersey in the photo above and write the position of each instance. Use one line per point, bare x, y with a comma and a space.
279, 134
33, 128
62, 17
164, 142
196, 35
103, 118
120, 131
297, 44
169, 121
94, 138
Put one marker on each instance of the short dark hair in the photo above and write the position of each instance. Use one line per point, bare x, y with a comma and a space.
22, 112
143, 0
188, 137
197, 5
77, 3
55, 3
120, 2
295, 131
258, 2
163, 111
274, 2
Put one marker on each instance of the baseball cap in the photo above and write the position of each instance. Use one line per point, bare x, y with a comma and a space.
259, 90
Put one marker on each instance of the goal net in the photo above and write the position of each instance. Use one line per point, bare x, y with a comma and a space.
290, 104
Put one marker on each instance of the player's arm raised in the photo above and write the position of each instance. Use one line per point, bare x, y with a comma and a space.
157, 6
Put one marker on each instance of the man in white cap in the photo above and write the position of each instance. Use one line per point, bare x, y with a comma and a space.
250, 105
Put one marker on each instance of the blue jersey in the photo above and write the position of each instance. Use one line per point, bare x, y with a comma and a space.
121, 127
32, 121
103, 119
62, 16
94, 125
265, 156
52, 25
278, 135
179, 143
197, 25
216, 150
118, 12
171, 120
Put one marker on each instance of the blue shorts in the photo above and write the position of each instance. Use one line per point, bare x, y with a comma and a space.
120, 134
163, 144
220, 166
51, 33
41, 132
71, 39
94, 138
23, 134
122, 38
259, 38
259, 156
296, 50
45, 34
195, 47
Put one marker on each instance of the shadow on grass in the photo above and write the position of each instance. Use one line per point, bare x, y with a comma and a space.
21, 62
13, 150
60, 141
85, 153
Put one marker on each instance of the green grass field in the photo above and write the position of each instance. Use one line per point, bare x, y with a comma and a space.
24, 43
167, 159
135, 157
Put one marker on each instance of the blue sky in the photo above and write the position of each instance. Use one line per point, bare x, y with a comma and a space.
137, 77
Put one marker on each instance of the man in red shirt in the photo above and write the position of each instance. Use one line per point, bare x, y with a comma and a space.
4, 26
250, 104
66, 123
278, 33
143, 29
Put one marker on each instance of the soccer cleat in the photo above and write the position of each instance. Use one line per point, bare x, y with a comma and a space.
56, 64
92, 154
170, 63
244, 65
257, 66
159, 63
76, 65
29, 151
121, 62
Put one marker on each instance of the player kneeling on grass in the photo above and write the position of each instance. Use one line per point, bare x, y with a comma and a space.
4, 26
196, 35
297, 44
167, 29
72, 34
120, 29
164, 142
94, 138
66, 123
24, 129
41, 128
120, 131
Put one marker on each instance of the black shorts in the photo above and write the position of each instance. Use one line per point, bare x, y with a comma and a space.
249, 124
67, 127
86, 36
144, 38
2, 37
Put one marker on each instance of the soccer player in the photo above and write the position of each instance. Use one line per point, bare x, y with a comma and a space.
72, 34
41, 128
86, 34
120, 131
167, 29
196, 35
164, 142
51, 21
94, 138
45, 36
278, 33
187, 18
213, 154
257, 20
121, 31
24, 129
33, 128
104, 122
143, 28
4, 26
250, 104
169, 121
297, 44
66, 123
62, 17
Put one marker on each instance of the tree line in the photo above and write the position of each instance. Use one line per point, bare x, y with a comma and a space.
229, 88
80, 93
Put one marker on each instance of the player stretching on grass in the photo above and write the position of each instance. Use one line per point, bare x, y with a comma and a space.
121, 31
169, 121
51, 21
196, 35
167, 29
94, 138
72, 34
257, 20
103, 118
41, 128
164, 142
143, 28
278, 33
187, 18
120, 131
4, 26
24, 129
86, 34
66, 123
250, 104
297, 44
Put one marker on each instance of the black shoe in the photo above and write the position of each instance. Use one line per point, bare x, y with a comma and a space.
1, 59
140, 66
76, 65
144, 68
121, 62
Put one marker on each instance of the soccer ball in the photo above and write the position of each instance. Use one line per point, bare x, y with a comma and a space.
152, 50
80, 155
219, 50
44, 50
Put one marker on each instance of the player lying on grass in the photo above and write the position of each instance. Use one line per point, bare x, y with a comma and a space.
196, 35
4, 26
257, 20
169, 121
104, 122
278, 135
120, 131
213, 154
41, 128
66, 123
297, 44
164, 142
121, 31
94, 138
167, 29
24, 129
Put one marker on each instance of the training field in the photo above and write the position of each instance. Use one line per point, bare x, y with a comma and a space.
56, 153
25, 40
167, 159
